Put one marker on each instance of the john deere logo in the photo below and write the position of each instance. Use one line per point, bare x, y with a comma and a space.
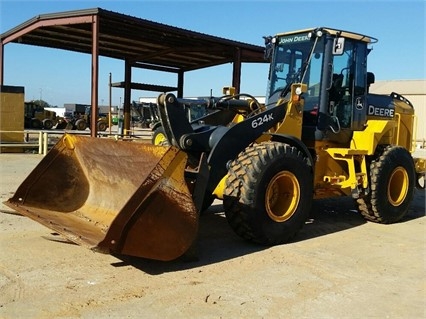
358, 104
380, 111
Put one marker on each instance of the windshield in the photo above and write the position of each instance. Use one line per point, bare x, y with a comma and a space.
290, 55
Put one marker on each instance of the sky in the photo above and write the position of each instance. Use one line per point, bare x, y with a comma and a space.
60, 77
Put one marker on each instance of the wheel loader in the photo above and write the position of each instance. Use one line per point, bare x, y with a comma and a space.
320, 134
193, 111
81, 121
37, 117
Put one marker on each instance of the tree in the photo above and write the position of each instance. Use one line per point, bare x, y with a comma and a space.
41, 103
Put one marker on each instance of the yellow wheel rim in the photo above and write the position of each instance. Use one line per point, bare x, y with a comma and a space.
398, 186
282, 196
159, 138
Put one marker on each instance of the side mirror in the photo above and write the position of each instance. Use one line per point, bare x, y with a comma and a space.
338, 46
370, 78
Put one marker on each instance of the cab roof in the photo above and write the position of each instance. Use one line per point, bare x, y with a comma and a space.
343, 33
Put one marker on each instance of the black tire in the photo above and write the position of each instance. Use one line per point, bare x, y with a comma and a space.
36, 123
47, 124
159, 136
392, 181
61, 125
263, 171
81, 125
102, 126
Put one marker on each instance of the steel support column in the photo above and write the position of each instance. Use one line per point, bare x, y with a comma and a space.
95, 76
2, 64
236, 70
180, 83
127, 95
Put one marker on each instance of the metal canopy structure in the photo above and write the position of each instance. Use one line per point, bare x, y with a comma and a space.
140, 43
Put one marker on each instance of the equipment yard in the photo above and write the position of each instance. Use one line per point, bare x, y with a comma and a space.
245, 212
338, 266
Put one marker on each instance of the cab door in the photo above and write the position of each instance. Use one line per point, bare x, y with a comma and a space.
347, 103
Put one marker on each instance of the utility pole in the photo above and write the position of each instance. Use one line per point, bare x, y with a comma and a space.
110, 102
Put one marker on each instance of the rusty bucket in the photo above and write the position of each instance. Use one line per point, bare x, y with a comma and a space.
121, 197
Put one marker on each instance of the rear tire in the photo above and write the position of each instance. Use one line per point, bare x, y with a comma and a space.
268, 194
392, 181
36, 123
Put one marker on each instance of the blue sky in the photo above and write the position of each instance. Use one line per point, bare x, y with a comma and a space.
60, 77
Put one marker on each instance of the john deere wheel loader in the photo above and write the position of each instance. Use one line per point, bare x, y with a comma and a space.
320, 134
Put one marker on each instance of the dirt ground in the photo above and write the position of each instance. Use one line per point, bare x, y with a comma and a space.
339, 266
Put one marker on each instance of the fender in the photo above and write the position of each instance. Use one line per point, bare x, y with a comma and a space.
293, 141
376, 132
236, 138
155, 125
282, 138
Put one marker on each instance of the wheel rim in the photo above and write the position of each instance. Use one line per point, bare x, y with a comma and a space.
282, 196
159, 138
398, 186
102, 126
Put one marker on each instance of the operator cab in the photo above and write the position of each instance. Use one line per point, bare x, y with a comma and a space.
333, 65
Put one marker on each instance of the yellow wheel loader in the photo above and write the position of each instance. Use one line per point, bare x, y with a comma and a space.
320, 134
82, 121
37, 117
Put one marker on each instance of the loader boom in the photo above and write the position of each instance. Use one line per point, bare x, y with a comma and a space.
221, 142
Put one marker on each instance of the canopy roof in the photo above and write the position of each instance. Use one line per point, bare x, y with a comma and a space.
126, 37
140, 43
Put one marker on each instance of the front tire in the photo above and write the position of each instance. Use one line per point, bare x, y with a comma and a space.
102, 126
268, 194
392, 181
47, 124
81, 125
159, 136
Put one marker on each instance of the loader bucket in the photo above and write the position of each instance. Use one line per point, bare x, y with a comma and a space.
120, 197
